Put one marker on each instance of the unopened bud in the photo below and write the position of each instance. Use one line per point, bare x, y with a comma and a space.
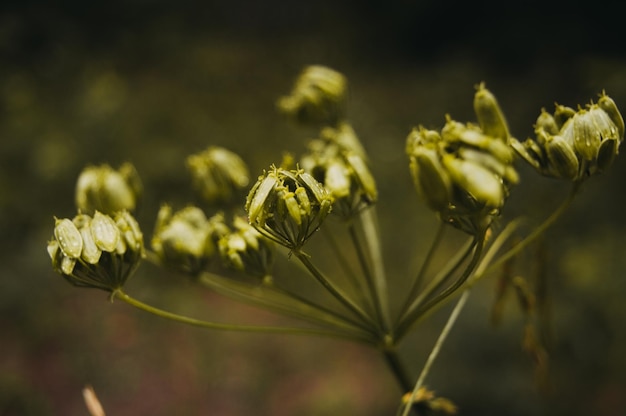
279, 211
107, 190
219, 175
490, 117
317, 97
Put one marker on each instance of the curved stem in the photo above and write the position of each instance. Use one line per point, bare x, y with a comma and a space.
537, 232
422, 272
336, 292
435, 284
232, 327
469, 269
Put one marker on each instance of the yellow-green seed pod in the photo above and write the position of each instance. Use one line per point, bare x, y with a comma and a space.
363, 176
303, 200
67, 265
130, 231
292, 206
430, 178
337, 179
91, 253
69, 238
105, 233
562, 158
547, 123
606, 154
258, 196
490, 116
607, 104
316, 188
562, 114
480, 183
587, 137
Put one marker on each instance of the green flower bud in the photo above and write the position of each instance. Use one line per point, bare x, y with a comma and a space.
218, 175
490, 118
562, 114
185, 240
106, 190
81, 250
247, 250
547, 123
586, 142
483, 185
318, 97
431, 180
562, 158
279, 210
68, 237
607, 104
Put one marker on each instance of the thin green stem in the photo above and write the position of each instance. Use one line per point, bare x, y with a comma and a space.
422, 272
536, 233
369, 280
345, 265
397, 369
437, 347
233, 327
469, 269
436, 283
369, 225
334, 291
281, 301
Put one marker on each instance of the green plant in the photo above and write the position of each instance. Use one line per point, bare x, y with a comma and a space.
464, 172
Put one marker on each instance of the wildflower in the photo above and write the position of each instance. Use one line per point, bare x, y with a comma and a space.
343, 172
98, 252
318, 97
218, 174
186, 239
574, 145
245, 249
462, 172
287, 206
107, 190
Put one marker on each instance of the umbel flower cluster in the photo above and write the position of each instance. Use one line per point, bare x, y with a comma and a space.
464, 171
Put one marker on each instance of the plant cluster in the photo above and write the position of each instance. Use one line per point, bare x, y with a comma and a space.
464, 172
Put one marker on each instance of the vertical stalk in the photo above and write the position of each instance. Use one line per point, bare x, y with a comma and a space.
372, 240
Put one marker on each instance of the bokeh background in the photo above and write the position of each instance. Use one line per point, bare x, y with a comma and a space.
153, 81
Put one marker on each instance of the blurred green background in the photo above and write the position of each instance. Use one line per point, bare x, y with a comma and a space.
153, 81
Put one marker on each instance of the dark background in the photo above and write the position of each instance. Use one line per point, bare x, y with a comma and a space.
153, 81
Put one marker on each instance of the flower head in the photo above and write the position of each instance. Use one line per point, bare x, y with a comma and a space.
574, 145
462, 172
318, 97
99, 252
342, 168
288, 206
107, 190
218, 174
245, 249
186, 239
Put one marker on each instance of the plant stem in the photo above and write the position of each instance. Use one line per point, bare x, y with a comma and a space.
232, 327
420, 275
372, 240
398, 370
334, 291
537, 232
369, 280
435, 351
